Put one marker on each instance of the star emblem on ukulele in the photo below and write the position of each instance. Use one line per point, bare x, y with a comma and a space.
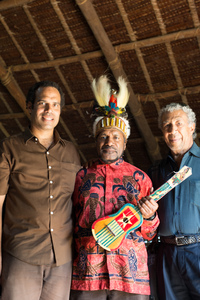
125, 220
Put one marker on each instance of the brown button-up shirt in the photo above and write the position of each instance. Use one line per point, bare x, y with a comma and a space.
38, 184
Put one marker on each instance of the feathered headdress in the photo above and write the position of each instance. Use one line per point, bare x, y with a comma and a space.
111, 111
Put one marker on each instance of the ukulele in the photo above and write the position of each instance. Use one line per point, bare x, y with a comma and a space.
110, 231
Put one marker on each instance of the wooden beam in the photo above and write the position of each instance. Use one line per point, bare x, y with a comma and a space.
3, 129
113, 60
58, 62
12, 116
5, 4
78, 105
169, 94
9, 82
162, 39
189, 33
141, 97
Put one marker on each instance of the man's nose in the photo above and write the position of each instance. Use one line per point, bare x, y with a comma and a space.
47, 107
109, 141
173, 128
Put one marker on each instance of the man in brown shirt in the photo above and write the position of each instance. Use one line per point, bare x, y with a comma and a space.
37, 175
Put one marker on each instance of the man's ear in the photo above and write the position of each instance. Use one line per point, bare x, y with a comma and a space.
192, 127
125, 141
29, 106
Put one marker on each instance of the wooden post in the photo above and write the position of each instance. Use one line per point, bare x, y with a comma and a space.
9, 82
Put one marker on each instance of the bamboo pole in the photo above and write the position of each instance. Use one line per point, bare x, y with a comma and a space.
190, 33
5, 4
112, 58
9, 82
12, 116
142, 97
169, 94
57, 62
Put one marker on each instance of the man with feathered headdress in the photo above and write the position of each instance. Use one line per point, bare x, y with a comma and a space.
101, 190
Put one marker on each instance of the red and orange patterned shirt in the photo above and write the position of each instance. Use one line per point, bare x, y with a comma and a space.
100, 191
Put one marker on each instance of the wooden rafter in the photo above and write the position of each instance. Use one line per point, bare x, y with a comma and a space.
11, 113
141, 98
169, 94
169, 49
12, 116
195, 16
184, 34
5, 4
9, 82
138, 51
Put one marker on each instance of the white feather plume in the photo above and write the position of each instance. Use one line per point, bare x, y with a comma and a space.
101, 89
123, 95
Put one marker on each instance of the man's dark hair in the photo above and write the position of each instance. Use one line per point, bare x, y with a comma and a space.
41, 84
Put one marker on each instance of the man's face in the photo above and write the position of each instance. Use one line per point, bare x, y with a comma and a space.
46, 110
110, 145
177, 131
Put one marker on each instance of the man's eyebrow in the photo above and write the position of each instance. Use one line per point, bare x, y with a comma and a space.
40, 99
44, 100
176, 119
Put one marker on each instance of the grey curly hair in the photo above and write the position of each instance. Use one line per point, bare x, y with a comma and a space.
177, 106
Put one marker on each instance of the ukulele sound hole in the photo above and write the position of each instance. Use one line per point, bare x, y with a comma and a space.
125, 220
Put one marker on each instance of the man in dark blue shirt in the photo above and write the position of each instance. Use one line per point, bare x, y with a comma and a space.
178, 258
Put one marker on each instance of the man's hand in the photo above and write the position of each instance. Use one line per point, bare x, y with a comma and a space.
147, 207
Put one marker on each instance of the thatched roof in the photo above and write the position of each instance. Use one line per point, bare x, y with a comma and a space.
154, 44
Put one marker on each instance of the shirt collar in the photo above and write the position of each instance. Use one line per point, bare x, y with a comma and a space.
99, 164
194, 150
29, 136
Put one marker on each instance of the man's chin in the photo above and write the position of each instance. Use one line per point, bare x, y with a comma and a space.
109, 161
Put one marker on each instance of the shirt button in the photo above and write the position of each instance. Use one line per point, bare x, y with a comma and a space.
50, 181
51, 196
49, 167
51, 212
47, 152
51, 229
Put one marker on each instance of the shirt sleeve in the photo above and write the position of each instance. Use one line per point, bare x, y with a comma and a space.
77, 186
4, 171
149, 227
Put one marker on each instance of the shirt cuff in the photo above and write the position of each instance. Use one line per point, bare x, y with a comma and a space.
151, 218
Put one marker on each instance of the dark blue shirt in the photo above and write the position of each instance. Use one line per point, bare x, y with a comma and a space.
179, 210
